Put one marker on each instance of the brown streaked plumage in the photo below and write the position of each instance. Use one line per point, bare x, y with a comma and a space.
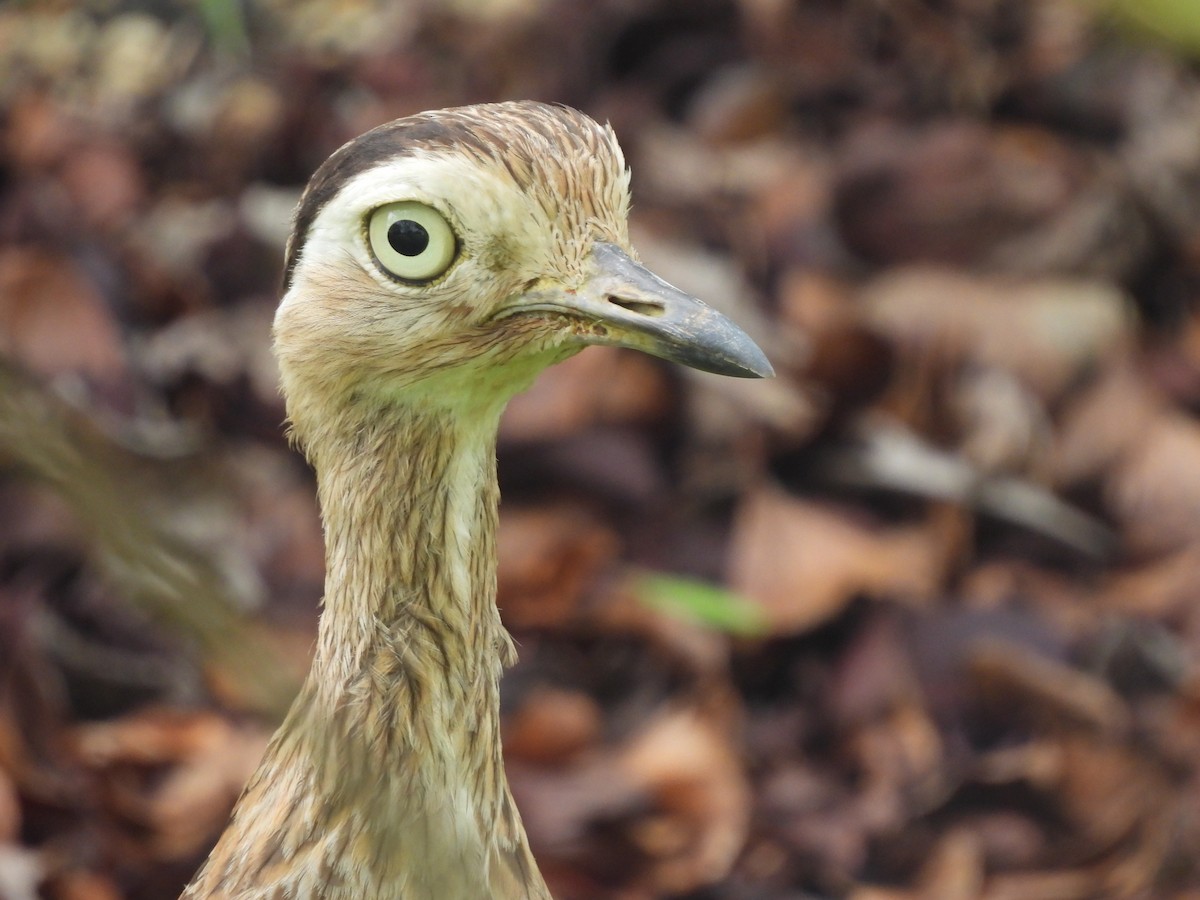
437, 264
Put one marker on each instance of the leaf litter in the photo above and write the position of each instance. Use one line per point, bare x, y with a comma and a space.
919, 619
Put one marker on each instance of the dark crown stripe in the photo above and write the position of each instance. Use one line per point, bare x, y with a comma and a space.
488, 130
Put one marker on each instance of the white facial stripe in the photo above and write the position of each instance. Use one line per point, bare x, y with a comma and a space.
481, 202
476, 200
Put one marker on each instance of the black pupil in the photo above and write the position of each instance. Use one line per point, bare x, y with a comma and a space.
408, 238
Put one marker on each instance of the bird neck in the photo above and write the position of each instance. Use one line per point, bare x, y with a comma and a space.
400, 712
405, 681
409, 500
387, 778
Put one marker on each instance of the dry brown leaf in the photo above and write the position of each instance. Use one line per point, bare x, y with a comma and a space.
1183, 376
1016, 199
1047, 332
1015, 680
1038, 763
804, 562
246, 118
739, 103
10, 809
869, 892
1066, 884
1119, 806
687, 765
676, 166
955, 869
816, 302
549, 556
1002, 426
560, 805
552, 726
208, 762
1110, 791
1126, 874
902, 759
105, 183
1009, 840
1059, 607
52, 319
672, 799
1103, 423
193, 802
1155, 492
1174, 722
1163, 587
39, 134
847, 359
149, 737
82, 885
29, 729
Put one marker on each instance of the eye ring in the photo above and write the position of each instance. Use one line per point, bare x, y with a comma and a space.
411, 241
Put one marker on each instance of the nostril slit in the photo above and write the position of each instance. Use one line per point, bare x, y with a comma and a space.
641, 307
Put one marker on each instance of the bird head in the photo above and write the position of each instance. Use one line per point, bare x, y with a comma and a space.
452, 255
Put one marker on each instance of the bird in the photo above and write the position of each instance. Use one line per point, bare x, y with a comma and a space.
436, 265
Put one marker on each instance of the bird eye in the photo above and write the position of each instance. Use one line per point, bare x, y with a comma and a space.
411, 241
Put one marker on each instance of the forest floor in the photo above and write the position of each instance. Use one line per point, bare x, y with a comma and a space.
919, 618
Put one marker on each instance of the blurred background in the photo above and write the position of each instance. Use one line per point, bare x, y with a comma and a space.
918, 619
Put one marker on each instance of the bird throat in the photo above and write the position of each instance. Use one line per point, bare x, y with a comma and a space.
410, 513
388, 767
411, 647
